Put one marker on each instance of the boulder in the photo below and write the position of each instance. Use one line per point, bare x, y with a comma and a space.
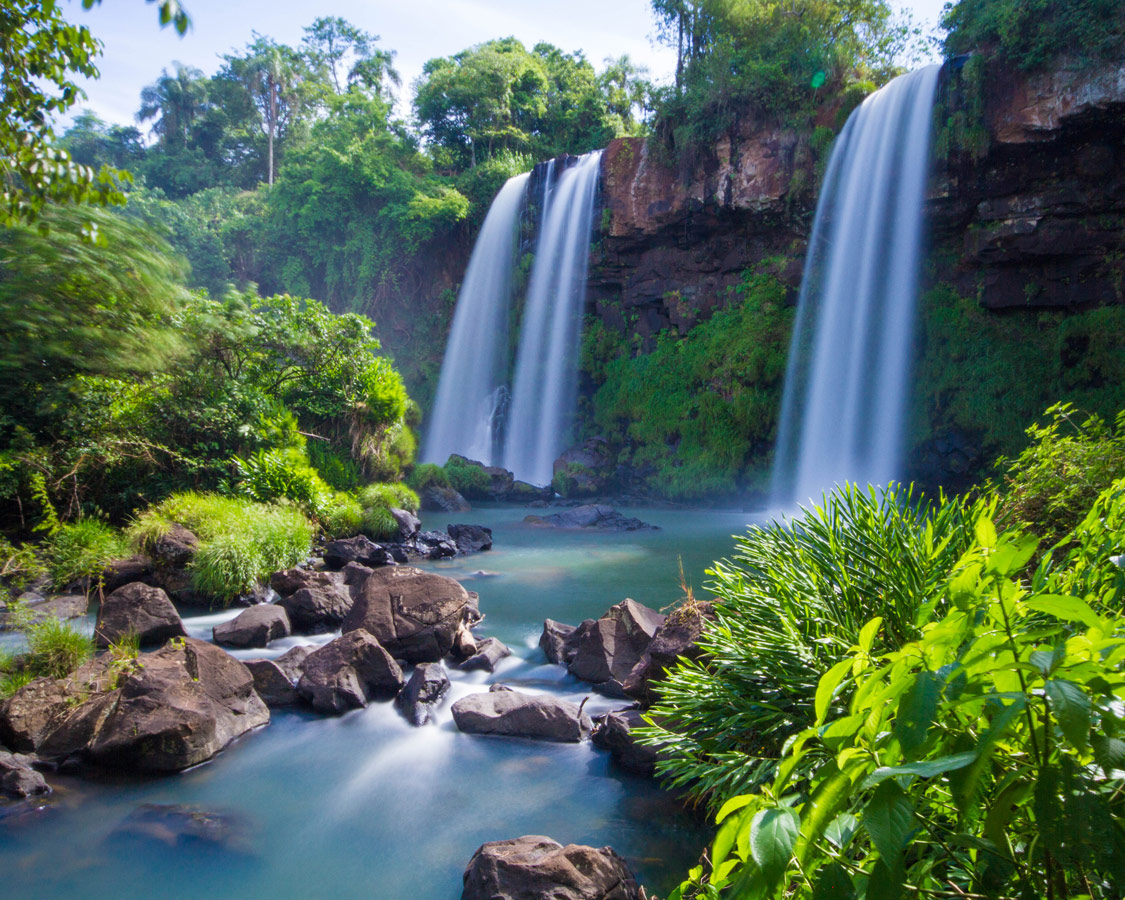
255, 627
408, 523
522, 492
516, 714
604, 518
537, 868
434, 545
139, 609
289, 581
360, 549
354, 576
583, 471
347, 673
426, 688
414, 614
675, 639
272, 684
121, 572
614, 733
180, 826
318, 608
187, 702
443, 499
489, 652
500, 481
175, 548
610, 647
292, 660
67, 606
560, 642
18, 780
471, 538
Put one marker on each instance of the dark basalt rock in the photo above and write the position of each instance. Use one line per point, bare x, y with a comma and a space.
522, 492
614, 732
272, 684
181, 826
291, 661
255, 627
139, 609
289, 581
442, 499
318, 608
18, 780
537, 868
560, 642
360, 549
610, 647
605, 518
416, 615
121, 572
675, 639
347, 673
408, 523
425, 690
515, 714
434, 545
471, 538
39, 608
175, 548
489, 652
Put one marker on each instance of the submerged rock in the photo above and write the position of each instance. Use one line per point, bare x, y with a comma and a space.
138, 609
605, 518
178, 825
516, 714
425, 690
255, 627
347, 673
471, 538
537, 868
609, 648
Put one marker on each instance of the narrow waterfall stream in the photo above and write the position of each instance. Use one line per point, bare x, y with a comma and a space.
845, 391
472, 389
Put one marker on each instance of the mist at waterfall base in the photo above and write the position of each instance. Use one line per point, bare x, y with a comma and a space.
470, 416
844, 407
367, 806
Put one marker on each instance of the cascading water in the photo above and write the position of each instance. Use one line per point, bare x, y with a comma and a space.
546, 377
845, 389
472, 392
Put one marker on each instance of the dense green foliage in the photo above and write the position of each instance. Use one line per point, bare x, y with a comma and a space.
696, 415
79, 551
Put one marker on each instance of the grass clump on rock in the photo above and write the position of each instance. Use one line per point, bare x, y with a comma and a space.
241, 542
79, 551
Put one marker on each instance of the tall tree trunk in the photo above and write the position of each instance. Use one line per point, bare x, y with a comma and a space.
272, 123
680, 52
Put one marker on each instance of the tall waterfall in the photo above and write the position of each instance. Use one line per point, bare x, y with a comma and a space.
472, 391
546, 377
845, 390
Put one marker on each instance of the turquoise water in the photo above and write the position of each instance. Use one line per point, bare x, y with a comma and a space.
365, 806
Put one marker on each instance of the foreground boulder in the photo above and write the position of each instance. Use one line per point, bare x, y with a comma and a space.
674, 640
186, 702
516, 714
604, 518
347, 673
272, 684
426, 688
138, 609
255, 627
415, 615
18, 780
471, 538
537, 868
442, 499
318, 607
610, 647
615, 733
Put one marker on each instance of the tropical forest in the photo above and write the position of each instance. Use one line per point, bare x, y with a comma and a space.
660, 450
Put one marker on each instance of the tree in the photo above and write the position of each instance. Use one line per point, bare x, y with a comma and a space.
175, 102
337, 44
95, 143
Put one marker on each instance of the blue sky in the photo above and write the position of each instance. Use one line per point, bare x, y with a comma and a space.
136, 49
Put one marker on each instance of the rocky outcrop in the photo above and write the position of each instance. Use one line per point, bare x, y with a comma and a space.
348, 673
320, 606
425, 690
137, 609
359, 549
609, 648
272, 684
604, 518
560, 642
515, 714
471, 538
674, 640
416, 615
443, 499
254, 627
536, 868
488, 653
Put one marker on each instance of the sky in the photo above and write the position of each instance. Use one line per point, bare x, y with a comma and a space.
136, 48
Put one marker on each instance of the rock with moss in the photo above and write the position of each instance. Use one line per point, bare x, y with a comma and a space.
599, 516
677, 638
436, 498
138, 610
584, 471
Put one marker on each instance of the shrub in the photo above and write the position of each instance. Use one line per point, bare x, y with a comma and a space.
241, 542
56, 648
790, 605
983, 759
79, 552
343, 516
387, 495
379, 524
18, 565
271, 475
468, 480
426, 475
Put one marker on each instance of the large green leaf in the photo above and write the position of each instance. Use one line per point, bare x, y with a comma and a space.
1071, 707
889, 819
826, 688
916, 711
773, 836
833, 883
1069, 609
925, 769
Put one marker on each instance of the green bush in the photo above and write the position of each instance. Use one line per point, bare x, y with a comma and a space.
426, 475
395, 495
271, 475
379, 524
241, 542
18, 565
983, 759
79, 552
468, 480
342, 517
10, 682
56, 648
789, 606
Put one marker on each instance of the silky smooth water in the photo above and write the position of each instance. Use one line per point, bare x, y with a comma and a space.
365, 805
846, 386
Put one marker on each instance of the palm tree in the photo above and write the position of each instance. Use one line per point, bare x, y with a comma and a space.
176, 102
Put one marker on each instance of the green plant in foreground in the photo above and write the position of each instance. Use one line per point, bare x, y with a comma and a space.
985, 759
789, 605
79, 551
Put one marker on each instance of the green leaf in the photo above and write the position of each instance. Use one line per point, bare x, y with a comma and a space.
833, 883
927, 769
773, 836
1001, 811
1109, 752
841, 830
1047, 661
1069, 609
885, 882
826, 688
916, 711
889, 819
985, 532
1011, 556
868, 632
734, 803
828, 798
1071, 707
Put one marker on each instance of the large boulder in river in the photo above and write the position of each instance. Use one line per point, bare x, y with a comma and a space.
254, 627
272, 684
442, 499
138, 609
426, 688
537, 868
603, 518
184, 704
610, 647
348, 673
674, 640
319, 607
416, 615
560, 642
471, 538
516, 714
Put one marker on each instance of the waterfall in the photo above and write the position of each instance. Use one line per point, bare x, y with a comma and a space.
844, 406
472, 393
546, 377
